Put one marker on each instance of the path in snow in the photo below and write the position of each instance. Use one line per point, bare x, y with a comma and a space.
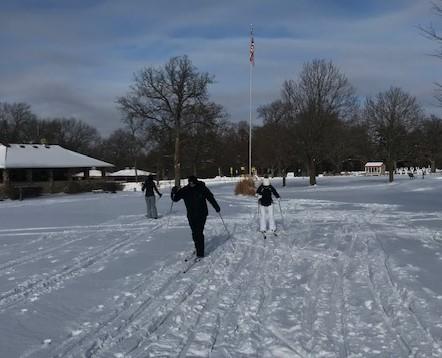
341, 280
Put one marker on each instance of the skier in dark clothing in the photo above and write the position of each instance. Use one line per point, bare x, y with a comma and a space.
264, 193
195, 194
149, 195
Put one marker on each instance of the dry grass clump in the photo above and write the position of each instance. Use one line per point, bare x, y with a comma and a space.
245, 187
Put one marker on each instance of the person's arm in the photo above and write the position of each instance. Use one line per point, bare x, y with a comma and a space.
156, 189
176, 194
209, 196
275, 193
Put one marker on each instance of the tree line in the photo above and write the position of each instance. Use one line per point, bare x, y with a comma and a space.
171, 126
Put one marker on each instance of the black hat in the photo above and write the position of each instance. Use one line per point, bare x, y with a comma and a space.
192, 179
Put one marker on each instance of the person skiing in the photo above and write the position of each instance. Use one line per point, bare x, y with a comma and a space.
195, 194
264, 193
148, 187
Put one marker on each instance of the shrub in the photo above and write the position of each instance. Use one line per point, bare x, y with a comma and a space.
109, 186
16, 193
245, 187
75, 187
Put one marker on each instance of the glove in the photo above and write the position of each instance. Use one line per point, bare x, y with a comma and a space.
279, 199
218, 210
259, 196
161, 195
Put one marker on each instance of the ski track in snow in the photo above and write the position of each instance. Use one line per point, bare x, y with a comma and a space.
324, 287
40, 284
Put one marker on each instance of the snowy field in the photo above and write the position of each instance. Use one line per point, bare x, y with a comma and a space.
354, 272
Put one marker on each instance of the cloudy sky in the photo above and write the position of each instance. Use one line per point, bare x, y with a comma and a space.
74, 58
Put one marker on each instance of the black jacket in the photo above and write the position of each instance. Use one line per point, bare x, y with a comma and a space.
195, 199
148, 188
266, 192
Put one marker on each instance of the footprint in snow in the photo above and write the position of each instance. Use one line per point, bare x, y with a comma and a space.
368, 304
76, 332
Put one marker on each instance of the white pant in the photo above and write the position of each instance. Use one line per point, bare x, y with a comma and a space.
266, 214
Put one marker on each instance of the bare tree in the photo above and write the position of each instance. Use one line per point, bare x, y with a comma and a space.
16, 122
136, 129
431, 140
431, 33
119, 149
391, 116
274, 147
74, 134
200, 137
321, 96
167, 96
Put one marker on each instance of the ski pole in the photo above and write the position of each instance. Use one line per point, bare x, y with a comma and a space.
282, 216
169, 214
228, 233
225, 227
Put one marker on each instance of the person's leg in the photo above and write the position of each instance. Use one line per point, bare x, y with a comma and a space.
199, 236
262, 218
151, 212
153, 207
272, 225
146, 198
192, 225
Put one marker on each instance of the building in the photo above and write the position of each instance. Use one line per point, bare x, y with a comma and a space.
130, 175
374, 168
91, 174
47, 168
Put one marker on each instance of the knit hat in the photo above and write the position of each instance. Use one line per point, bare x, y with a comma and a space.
192, 179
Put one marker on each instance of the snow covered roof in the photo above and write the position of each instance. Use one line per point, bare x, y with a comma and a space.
129, 172
44, 156
374, 164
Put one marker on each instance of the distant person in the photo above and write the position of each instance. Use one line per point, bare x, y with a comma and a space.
264, 193
423, 173
195, 194
149, 195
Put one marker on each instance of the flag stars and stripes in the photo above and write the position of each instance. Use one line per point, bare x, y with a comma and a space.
252, 48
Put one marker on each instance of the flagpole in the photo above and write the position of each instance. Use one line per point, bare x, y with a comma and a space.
250, 103
250, 122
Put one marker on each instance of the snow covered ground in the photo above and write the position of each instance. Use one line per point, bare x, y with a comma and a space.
354, 272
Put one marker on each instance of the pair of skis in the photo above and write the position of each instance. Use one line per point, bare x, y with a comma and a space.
264, 234
191, 261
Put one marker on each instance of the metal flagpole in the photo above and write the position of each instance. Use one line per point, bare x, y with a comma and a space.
252, 62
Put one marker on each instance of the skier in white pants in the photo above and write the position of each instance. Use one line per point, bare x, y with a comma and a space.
264, 192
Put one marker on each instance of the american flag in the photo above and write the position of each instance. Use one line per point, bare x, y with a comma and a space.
252, 48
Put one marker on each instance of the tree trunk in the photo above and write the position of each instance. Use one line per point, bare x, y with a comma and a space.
51, 180
312, 171
433, 166
177, 159
390, 170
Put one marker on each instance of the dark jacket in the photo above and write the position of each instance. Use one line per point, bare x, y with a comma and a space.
266, 193
148, 188
195, 199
